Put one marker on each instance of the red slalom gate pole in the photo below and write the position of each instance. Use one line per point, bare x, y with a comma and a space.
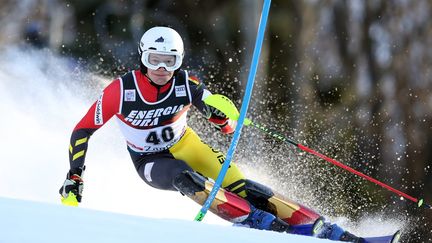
420, 202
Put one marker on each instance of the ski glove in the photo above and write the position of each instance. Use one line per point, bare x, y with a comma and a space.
228, 127
221, 122
73, 186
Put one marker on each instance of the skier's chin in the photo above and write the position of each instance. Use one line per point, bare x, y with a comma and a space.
160, 77
161, 81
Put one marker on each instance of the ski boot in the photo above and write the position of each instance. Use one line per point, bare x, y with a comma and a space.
262, 220
335, 232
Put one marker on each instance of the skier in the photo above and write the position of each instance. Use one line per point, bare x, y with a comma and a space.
150, 105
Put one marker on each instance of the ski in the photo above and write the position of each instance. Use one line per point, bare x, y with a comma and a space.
394, 238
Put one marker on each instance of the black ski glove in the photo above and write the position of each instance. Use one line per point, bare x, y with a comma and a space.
73, 184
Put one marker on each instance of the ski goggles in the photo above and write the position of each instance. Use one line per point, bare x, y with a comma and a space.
155, 60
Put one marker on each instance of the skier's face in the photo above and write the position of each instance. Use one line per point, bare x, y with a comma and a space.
160, 76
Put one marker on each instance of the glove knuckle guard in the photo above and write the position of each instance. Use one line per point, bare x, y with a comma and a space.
73, 183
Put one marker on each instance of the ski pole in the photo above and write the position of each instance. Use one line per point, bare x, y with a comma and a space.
243, 110
420, 202
225, 105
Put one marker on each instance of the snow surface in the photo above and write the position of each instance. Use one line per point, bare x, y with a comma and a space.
26, 221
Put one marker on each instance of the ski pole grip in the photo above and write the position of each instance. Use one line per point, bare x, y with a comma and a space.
225, 105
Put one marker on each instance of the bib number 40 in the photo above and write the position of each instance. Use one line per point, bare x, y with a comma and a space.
166, 135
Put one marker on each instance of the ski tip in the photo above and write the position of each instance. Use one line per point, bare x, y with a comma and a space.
396, 237
391, 238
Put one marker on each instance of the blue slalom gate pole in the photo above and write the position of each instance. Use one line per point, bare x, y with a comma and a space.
243, 111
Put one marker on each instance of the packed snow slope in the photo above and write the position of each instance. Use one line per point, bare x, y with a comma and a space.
27, 221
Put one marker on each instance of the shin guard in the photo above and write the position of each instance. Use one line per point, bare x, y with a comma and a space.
226, 205
291, 212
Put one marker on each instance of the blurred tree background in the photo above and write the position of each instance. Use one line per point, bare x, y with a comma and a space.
350, 79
